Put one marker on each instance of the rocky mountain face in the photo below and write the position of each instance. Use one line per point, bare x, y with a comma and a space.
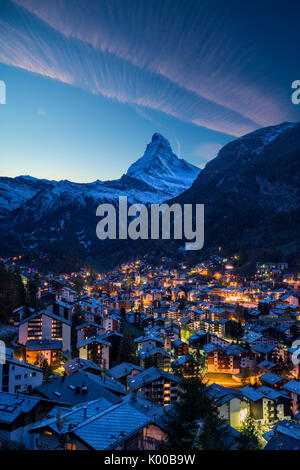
251, 193
162, 169
251, 190
39, 213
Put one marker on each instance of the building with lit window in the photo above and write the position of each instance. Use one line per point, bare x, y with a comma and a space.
156, 385
46, 326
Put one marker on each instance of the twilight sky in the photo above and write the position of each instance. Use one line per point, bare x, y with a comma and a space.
89, 81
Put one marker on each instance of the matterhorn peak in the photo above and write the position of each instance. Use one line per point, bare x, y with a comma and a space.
161, 168
157, 137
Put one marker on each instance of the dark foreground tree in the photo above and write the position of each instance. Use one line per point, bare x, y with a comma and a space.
127, 349
249, 439
193, 421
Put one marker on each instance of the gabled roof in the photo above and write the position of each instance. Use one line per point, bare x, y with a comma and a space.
75, 388
93, 339
263, 348
266, 365
285, 435
270, 393
293, 386
251, 393
123, 369
73, 365
271, 378
87, 323
19, 363
150, 351
183, 360
48, 314
102, 425
142, 339
222, 394
148, 376
12, 405
212, 347
251, 337
108, 382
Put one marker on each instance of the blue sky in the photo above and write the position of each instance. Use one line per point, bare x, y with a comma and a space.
89, 82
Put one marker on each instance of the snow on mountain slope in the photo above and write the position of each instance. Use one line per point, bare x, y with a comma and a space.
16, 191
155, 177
162, 169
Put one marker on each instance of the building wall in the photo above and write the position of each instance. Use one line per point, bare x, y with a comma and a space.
23, 333
66, 337
20, 378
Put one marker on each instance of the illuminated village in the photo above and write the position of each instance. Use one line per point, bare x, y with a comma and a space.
98, 358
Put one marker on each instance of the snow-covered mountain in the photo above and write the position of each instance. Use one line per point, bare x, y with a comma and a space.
155, 177
36, 213
251, 190
162, 169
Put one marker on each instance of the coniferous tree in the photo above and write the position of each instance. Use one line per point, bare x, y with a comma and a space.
249, 439
11, 291
127, 349
193, 422
32, 291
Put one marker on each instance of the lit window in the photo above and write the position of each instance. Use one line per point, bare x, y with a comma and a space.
70, 446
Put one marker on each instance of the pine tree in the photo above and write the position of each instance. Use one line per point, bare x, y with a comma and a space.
249, 439
193, 421
32, 291
126, 351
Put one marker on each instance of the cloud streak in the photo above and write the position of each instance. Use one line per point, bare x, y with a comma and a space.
182, 62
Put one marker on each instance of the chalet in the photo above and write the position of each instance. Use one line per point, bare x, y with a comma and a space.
37, 350
272, 380
267, 405
152, 355
232, 359
156, 385
77, 364
187, 365
293, 389
179, 348
95, 349
131, 425
111, 322
285, 435
148, 341
232, 405
87, 330
45, 326
124, 371
18, 414
19, 376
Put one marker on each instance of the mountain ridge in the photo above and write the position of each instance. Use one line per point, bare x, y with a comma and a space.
251, 190
16, 192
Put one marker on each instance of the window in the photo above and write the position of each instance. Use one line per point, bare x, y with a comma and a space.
32, 374
70, 446
18, 377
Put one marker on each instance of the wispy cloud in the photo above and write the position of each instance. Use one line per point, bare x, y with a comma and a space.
150, 54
